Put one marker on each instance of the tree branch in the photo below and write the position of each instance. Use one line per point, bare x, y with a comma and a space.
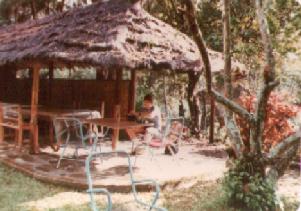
281, 155
279, 167
231, 105
269, 78
288, 142
266, 39
257, 133
232, 129
198, 37
235, 137
227, 53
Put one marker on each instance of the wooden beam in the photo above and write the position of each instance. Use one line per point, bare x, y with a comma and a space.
118, 87
102, 109
1, 128
132, 92
51, 72
115, 137
117, 108
35, 149
2, 83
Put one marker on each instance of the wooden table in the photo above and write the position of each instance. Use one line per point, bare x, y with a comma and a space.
50, 113
54, 112
116, 125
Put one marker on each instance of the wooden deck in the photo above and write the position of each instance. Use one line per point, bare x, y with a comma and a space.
112, 172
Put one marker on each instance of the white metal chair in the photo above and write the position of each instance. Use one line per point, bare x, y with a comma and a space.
171, 138
134, 183
71, 131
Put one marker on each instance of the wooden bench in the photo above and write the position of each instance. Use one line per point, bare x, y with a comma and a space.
11, 117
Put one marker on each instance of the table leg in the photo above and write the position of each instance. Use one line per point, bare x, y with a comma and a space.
55, 147
115, 138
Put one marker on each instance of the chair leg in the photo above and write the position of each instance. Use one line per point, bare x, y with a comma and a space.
133, 147
75, 155
94, 146
96, 143
61, 156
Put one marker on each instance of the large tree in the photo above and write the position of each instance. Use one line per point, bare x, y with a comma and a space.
268, 166
245, 35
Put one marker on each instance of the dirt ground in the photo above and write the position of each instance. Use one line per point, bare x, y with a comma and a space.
204, 160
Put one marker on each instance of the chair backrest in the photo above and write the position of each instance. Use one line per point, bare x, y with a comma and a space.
12, 114
174, 130
68, 129
92, 156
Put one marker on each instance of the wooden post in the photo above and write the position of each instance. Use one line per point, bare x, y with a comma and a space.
132, 92
1, 127
118, 87
19, 137
102, 109
35, 149
2, 83
212, 115
115, 137
51, 72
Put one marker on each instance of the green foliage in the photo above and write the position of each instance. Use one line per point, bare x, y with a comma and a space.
170, 11
167, 88
284, 18
12, 11
246, 188
19, 10
210, 22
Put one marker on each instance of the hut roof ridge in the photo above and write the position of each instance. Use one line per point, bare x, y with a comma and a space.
108, 34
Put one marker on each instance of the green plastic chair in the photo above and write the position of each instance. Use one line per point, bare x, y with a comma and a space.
134, 184
70, 130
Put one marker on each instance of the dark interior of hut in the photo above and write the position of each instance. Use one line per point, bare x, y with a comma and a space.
64, 89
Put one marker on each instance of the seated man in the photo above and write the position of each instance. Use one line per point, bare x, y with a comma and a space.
149, 113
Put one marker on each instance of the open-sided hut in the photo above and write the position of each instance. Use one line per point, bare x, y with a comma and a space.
111, 36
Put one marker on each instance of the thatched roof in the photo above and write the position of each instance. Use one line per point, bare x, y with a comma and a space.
107, 34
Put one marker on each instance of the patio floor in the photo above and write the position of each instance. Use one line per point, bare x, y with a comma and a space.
194, 162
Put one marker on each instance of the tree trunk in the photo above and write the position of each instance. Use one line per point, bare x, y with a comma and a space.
269, 80
193, 102
203, 94
33, 9
198, 37
47, 7
256, 120
165, 95
232, 129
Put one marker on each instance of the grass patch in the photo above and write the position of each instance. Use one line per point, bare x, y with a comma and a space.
17, 188
202, 196
207, 197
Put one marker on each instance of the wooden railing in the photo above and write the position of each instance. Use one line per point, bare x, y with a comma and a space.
11, 118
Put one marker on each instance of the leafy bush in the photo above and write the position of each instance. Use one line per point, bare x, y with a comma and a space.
277, 125
246, 189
